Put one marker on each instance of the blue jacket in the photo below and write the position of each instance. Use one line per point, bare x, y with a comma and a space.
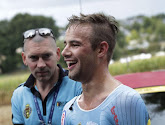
24, 111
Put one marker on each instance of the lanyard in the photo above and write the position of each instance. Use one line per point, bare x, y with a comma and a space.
51, 110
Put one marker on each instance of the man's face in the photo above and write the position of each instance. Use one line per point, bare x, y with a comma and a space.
41, 58
78, 53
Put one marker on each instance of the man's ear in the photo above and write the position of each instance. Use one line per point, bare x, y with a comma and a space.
103, 49
58, 53
24, 58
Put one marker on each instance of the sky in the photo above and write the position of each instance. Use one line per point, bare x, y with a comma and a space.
60, 10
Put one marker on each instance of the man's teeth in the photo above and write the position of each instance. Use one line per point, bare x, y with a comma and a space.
70, 63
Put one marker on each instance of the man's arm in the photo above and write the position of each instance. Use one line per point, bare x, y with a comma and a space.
17, 118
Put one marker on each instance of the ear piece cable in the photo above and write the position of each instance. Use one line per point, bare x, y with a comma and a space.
71, 107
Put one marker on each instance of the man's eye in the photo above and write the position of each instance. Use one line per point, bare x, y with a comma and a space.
46, 56
33, 58
65, 44
75, 45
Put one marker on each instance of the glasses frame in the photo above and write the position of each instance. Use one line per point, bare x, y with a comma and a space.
41, 31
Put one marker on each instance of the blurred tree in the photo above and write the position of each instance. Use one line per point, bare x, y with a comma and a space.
118, 52
120, 45
147, 22
60, 44
136, 26
160, 16
3, 35
11, 37
121, 41
160, 31
134, 35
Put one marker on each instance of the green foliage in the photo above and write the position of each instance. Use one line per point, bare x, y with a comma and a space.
140, 29
136, 26
120, 44
118, 52
10, 63
11, 36
60, 44
118, 68
155, 63
121, 39
7, 85
150, 27
154, 47
160, 31
134, 35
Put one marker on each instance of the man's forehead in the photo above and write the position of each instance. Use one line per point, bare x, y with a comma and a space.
45, 43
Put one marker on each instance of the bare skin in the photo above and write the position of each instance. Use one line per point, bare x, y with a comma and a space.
41, 56
90, 66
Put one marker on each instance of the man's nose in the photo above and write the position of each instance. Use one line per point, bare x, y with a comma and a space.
66, 51
41, 63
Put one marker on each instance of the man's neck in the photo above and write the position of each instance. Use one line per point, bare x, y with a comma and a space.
96, 91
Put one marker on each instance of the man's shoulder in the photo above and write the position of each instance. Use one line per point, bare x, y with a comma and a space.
124, 95
127, 90
128, 95
19, 93
20, 88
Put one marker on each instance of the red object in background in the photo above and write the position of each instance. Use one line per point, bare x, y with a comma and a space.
142, 79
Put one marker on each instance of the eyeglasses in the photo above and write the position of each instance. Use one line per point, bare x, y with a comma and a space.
41, 31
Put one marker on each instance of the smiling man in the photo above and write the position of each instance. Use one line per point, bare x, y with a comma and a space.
40, 100
89, 45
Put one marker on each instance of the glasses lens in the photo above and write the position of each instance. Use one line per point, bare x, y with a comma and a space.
44, 31
41, 31
29, 34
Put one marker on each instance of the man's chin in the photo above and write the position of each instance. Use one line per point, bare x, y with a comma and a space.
73, 76
43, 78
70, 75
